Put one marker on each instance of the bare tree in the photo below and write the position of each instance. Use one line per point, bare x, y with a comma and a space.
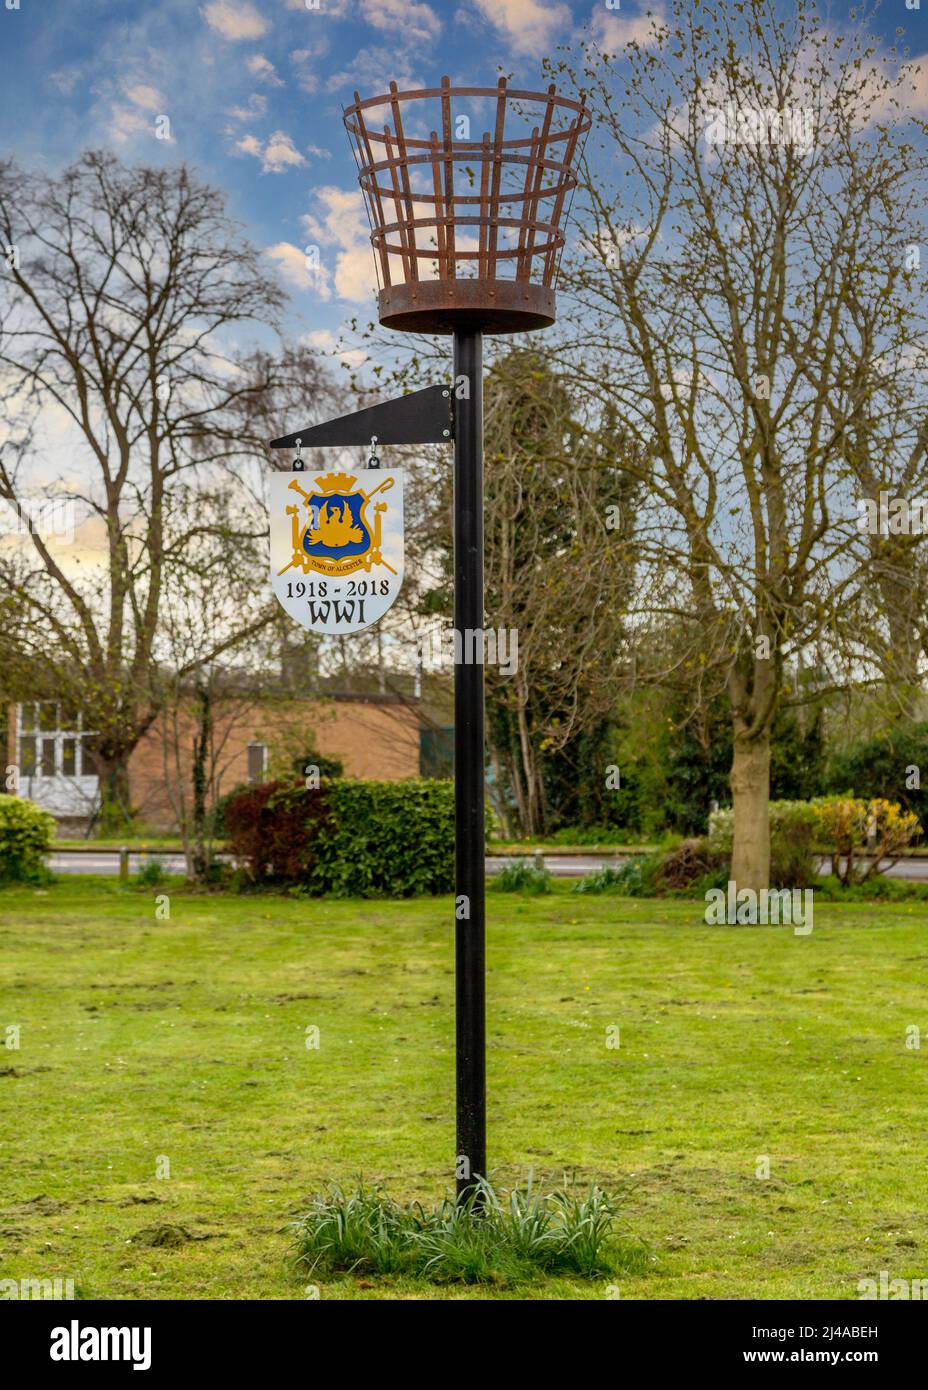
121, 293
747, 166
885, 424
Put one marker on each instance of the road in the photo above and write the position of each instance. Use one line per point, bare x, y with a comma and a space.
561, 865
576, 865
107, 862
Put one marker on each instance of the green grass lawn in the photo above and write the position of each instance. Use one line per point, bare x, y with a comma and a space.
185, 1039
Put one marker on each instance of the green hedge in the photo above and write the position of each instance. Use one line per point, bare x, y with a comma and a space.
350, 838
26, 834
386, 838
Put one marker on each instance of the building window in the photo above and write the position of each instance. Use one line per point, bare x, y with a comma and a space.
257, 762
50, 737
27, 756
69, 756
46, 761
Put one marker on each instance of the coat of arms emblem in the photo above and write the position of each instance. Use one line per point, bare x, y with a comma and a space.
337, 546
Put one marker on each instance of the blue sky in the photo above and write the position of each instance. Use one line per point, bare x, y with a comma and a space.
253, 92
250, 93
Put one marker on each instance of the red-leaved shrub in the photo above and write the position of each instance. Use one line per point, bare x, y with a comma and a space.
272, 828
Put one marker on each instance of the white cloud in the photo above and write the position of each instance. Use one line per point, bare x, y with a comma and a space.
608, 248
916, 75
321, 338
367, 70
354, 274
263, 69
876, 100
128, 109
125, 122
612, 31
250, 144
307, 80
408, 19
234, 19
332, 9
145, 96
529, 25
325, 341
257, 105
315, 50
278, 154
295, 268
340, 222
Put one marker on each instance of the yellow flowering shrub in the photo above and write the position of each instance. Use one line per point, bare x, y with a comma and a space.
850, 827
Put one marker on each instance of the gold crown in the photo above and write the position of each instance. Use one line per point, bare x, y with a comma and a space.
336, 482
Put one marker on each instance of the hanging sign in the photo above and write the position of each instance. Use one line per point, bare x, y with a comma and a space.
337, 554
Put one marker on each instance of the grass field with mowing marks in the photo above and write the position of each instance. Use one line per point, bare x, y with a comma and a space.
144, 1040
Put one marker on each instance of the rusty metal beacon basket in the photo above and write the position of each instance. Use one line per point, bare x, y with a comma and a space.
467, 234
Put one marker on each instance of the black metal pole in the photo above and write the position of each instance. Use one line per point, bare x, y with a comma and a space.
470, 963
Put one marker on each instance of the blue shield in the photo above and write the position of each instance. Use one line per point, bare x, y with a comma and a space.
336, 529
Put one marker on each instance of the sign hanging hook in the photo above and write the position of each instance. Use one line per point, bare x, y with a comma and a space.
373, 461
298, 464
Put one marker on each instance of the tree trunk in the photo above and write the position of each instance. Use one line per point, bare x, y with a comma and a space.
533, 823
514, 764
381, 670
502, 781
115, 811
202, 745
750, 789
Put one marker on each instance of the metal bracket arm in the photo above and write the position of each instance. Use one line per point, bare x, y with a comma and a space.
422, 417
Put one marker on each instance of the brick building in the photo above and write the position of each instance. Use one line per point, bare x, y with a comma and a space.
253, 740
